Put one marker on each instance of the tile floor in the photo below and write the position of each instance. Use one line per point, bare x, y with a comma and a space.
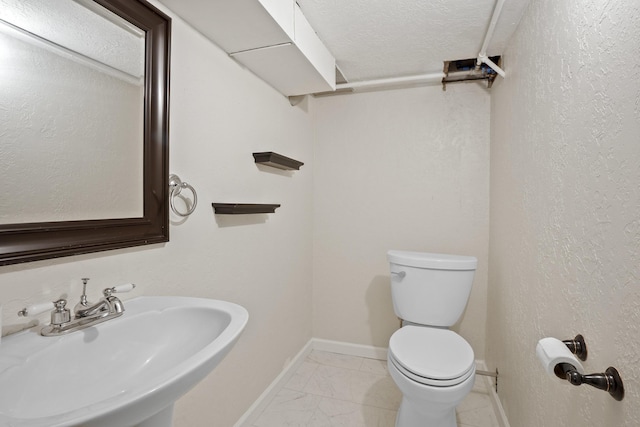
331, 389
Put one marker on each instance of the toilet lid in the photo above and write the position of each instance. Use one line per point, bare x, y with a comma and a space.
432, 354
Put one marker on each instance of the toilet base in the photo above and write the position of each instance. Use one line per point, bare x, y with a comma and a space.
410, 415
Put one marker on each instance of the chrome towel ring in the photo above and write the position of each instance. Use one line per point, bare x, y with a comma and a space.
176, 185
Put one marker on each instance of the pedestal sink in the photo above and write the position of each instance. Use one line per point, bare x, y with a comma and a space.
126, 372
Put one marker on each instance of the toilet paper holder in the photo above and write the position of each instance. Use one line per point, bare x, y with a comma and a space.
577, 346
608, 381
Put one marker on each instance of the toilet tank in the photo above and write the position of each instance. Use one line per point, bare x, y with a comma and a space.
430, 289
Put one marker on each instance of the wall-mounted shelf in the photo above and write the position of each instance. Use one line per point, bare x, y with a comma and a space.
276, 160
243, 208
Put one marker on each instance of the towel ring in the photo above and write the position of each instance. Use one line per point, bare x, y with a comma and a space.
176, 185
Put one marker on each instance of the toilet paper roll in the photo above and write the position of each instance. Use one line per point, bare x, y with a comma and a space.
552, 351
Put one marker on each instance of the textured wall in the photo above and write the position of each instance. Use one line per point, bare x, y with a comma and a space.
403, 169
565, 209
220, 114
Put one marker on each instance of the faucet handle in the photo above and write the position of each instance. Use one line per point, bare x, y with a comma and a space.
61, 314
35, 309
120, 288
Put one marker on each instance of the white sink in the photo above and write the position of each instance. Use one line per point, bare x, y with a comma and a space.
125, 372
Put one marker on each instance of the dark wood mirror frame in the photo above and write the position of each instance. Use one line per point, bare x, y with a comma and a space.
36, 241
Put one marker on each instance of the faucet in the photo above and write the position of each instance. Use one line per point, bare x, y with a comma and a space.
107, 305
86, 314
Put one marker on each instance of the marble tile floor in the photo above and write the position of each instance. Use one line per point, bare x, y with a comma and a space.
331, 389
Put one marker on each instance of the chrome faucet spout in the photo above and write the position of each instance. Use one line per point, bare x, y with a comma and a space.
101, 307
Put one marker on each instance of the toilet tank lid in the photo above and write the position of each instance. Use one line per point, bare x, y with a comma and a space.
433, 261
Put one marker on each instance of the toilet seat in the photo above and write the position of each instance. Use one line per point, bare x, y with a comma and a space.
431, 356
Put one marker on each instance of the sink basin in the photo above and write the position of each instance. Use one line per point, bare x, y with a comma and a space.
128, 371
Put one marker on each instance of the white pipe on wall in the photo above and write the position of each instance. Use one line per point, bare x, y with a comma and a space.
492, 64
482, 55
392, 81
434, 77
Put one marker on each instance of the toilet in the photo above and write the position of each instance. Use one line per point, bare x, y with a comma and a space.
433, 367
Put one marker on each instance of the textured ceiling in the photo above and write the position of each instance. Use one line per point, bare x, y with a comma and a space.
88, 30
374, 39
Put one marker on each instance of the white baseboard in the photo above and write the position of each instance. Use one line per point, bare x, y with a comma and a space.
498, 410
314, 344
359, 350
368, 351
263, 400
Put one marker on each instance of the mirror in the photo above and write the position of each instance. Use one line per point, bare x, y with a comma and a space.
84, 119
73, 131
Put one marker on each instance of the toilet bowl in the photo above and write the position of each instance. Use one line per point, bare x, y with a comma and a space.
433, 367
435, 370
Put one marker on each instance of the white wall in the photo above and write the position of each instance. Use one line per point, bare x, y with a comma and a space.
565, 209
220, 114
404, 169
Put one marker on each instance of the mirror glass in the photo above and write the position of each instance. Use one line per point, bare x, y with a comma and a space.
71, 112
84, 127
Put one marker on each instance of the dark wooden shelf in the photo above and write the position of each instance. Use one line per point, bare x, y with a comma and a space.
243, 208
276, 160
